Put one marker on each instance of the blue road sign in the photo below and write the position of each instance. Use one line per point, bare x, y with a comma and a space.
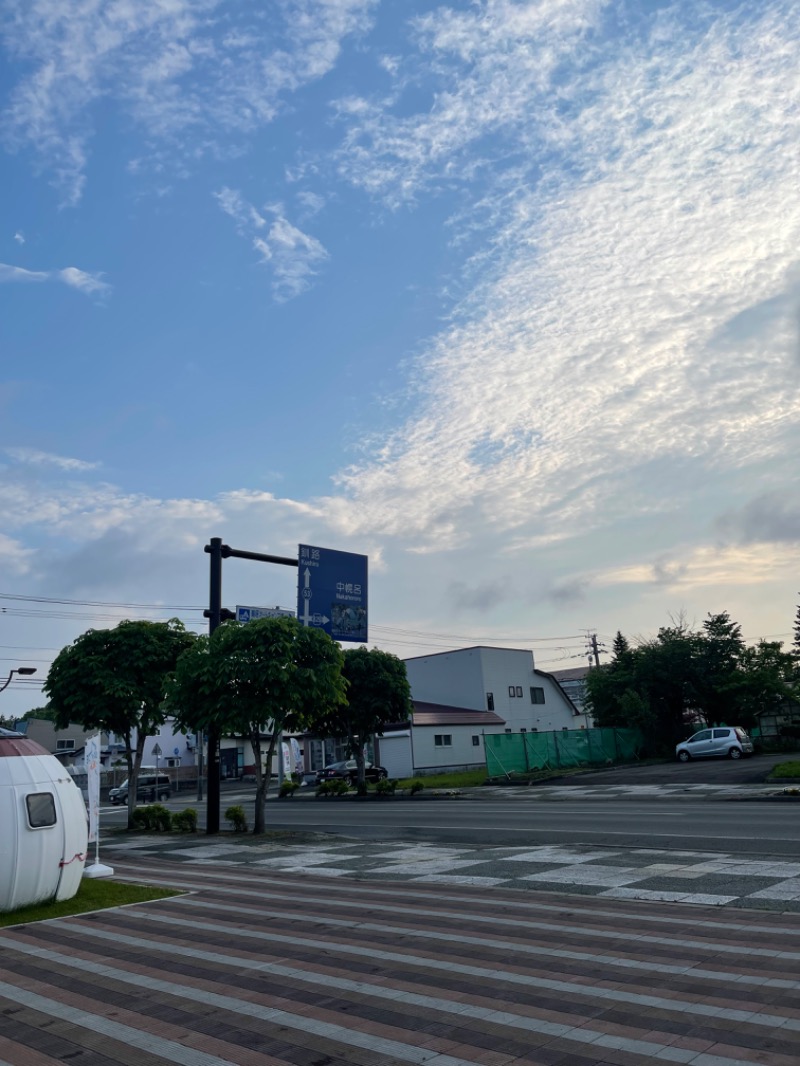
332, 592
250, 614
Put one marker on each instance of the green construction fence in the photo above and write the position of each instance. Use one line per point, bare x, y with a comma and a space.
523, 753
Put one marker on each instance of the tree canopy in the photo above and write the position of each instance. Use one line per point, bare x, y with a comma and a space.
258, 678
378, 693
114, 680
684, 678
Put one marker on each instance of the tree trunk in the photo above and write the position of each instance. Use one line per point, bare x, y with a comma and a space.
263, 777
134, 766
357, 748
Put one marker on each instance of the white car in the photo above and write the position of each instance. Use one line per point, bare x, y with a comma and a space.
730, 741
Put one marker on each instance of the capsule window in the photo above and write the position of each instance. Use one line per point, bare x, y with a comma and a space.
41, 810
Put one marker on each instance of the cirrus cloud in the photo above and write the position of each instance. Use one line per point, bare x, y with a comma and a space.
92, 284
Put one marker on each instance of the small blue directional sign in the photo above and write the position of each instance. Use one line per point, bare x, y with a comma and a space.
332, 592
250, 614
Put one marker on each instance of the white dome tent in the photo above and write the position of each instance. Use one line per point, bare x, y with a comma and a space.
43, 825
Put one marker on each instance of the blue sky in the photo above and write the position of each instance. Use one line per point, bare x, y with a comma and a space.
505, 295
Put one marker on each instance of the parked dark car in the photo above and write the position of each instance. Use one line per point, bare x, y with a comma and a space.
348, 771
149, 788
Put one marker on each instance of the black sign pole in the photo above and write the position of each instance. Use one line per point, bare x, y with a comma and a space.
215, 613
214, 549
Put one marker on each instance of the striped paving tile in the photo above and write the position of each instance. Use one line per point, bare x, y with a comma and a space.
259, 968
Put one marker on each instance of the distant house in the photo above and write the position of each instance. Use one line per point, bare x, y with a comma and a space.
439, 738
66, 744
502, 680
573, 682
460, 696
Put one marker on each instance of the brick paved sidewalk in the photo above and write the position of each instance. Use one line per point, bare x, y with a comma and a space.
259, 968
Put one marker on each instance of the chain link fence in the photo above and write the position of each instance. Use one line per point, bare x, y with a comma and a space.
524, 753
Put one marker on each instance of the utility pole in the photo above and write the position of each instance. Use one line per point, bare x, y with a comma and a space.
593, 648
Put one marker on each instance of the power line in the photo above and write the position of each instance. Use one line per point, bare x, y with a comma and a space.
67, 616
15, 658
103, 603
26, 647
456, 636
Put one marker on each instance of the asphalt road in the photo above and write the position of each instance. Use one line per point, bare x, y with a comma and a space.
752, 771
749, 829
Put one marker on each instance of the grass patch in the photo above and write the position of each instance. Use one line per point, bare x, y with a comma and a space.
464, 779
94, 894
785, 769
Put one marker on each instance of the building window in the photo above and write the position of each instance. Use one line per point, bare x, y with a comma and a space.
443, 740
476, 742
537, 695
519, 691
523, 730
41, 810
489, 701
512, 691
508, 731
65, 745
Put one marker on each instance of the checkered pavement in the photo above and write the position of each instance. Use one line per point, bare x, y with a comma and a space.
697, 877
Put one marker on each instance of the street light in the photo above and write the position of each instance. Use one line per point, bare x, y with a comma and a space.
21, 670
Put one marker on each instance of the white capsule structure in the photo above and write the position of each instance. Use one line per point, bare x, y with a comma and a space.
43, 826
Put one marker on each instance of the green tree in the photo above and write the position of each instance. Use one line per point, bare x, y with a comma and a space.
768, 681
668, 685
621, 646
260, 677
651, 687
378, 693
719, 675
46, 714
114, 680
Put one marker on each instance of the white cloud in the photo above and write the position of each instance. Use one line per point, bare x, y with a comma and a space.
594, 361
72, 276
293, 256
13, 273
161, 63
311, 202
19, 237
80, 279
38, 458
14, 556
708, 566
495, 68
244, 214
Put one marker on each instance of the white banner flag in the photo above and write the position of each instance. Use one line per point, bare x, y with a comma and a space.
92, 763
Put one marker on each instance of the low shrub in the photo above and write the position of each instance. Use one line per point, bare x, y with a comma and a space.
237, 818
385, 787
185, 821
288, 788
140, 818
337, 786
154, 818
415, 787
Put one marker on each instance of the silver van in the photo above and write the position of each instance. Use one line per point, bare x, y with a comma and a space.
731, 741
149, 787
